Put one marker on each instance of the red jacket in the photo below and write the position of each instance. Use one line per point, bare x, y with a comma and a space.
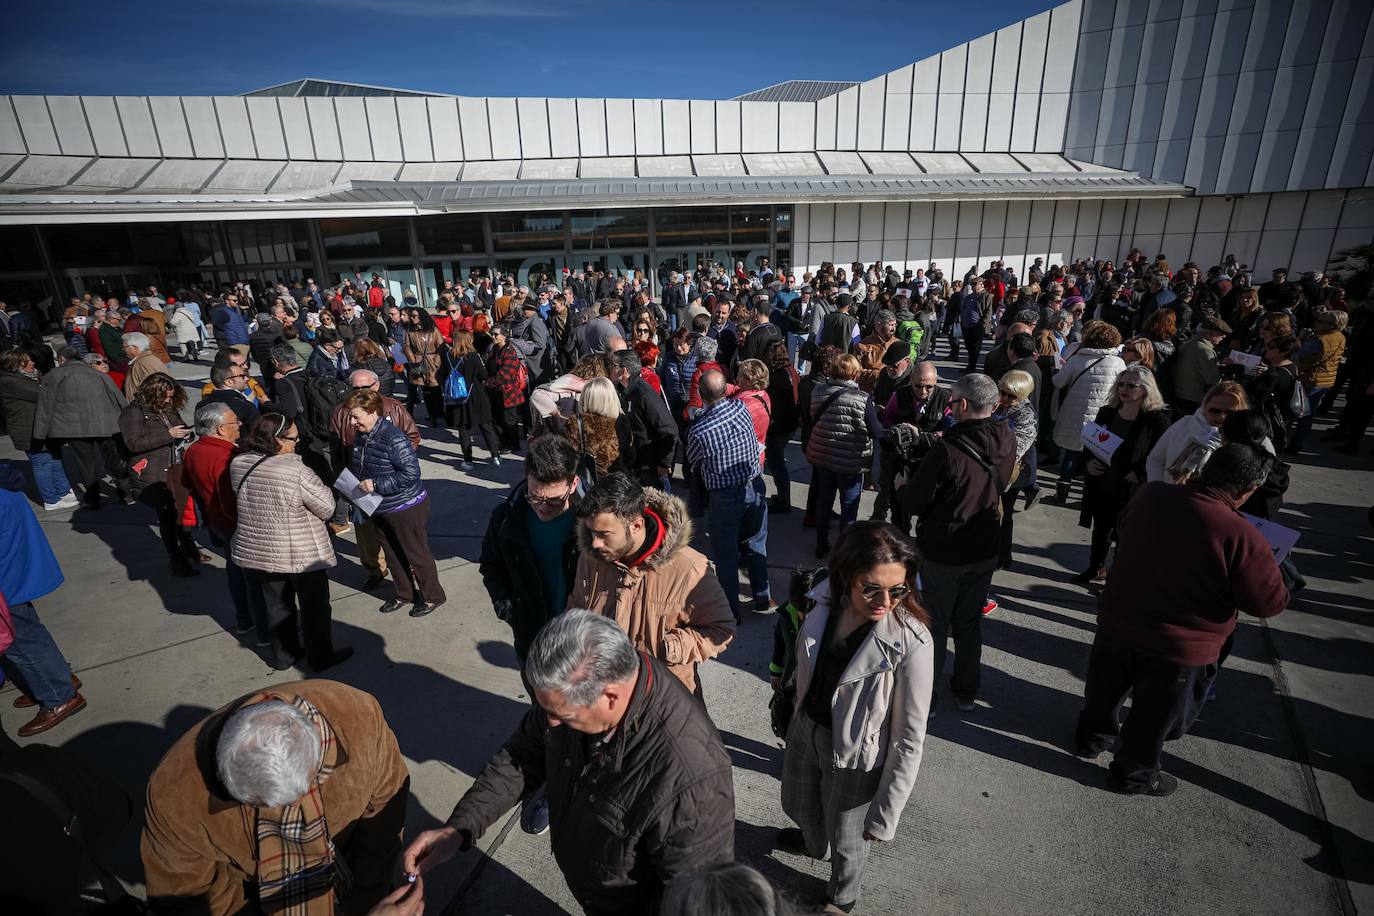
207, 477
376, 297
1179, 602
694, 401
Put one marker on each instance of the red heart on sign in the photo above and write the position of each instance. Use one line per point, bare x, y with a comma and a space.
1103, 437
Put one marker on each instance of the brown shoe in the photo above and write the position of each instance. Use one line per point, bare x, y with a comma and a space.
47, 718
27, 702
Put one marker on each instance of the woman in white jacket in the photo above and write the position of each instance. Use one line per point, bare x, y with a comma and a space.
1085, 382
865, 666
1189, 442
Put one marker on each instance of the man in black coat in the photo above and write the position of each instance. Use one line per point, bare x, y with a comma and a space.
230, 383
639, 785
651, 424
675, 301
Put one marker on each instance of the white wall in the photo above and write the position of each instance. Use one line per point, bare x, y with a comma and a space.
1298, 230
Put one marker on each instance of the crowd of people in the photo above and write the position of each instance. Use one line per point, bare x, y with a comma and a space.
1161, 402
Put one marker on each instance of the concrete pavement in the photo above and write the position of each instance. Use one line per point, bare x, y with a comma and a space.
1273, 815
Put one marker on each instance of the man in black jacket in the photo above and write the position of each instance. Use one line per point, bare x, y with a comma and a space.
957, 495
528, 581
675, 301
651, 424
638, 781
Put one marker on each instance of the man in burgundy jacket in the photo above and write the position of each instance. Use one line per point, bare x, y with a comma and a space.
1161, 623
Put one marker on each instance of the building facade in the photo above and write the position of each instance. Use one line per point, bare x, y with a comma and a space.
1192, 128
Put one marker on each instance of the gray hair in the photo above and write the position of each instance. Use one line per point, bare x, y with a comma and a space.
362, 378
286, 355
578, 654
210, 416
884, 315
978, 389
90, 358
137, 340
706, 349
726, 889
268, 754
1138, 373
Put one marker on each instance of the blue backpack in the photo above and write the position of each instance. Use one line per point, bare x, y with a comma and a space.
455, 387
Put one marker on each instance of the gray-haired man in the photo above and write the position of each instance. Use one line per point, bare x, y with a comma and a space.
638, 781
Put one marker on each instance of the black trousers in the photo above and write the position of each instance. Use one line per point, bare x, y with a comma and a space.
508, 425
175, 538
1166, 698
304, 626
489, 437
87, 460
405, 541
433, 398
973, 339
1357, 414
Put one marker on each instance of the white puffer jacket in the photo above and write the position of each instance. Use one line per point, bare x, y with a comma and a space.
1176, 440
282, 509
1089, 376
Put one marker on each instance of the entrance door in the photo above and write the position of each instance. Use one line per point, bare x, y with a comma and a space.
107, 282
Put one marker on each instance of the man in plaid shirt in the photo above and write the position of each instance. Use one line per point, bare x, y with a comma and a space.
723, 445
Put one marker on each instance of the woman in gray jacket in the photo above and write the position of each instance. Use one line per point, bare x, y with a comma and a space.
281, 542
844, 426
865, 667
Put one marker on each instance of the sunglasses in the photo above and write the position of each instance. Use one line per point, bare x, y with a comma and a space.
1129, 385
549, 501
921, 387
895, 593
290, 438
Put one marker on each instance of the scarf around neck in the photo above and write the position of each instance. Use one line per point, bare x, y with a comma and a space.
297, 869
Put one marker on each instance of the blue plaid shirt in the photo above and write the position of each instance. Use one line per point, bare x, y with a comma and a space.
722, 444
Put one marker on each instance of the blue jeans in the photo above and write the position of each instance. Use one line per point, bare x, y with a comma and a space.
1070, 464
1316, 397
827, 484
49, 476
737, 522
250, 607
43, 669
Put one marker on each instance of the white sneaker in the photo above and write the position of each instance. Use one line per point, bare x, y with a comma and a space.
465, 465
67, 502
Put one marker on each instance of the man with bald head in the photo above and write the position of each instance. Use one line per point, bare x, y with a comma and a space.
725, 450
920, 406
341, 434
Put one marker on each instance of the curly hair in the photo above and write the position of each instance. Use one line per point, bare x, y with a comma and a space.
1162, 325
160, 393
824, 364
595, 435
1099, 335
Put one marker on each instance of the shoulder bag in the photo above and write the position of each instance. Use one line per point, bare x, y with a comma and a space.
1064, 392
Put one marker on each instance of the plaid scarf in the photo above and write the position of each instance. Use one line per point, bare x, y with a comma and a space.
295, 856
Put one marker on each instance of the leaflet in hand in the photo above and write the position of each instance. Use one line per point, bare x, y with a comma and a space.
347, 484
1250, 361
1281, 539
1101, 442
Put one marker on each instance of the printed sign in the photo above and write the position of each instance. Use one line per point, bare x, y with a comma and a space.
347, 484
1101, 442
1281, 539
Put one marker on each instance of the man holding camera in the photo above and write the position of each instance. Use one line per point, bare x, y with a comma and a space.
912, 416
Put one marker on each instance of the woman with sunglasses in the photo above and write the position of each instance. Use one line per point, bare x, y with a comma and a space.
281, 542
1134, 411
864, 672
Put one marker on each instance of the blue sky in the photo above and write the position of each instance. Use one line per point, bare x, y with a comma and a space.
611, 48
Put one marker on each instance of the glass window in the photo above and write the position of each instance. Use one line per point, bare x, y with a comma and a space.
784, 261
201, 242
522, 232
535, 270
89, 246
157, 243
37, 292
452, 233
270, 242
691, 226
19, 249
601, 229
749, 226
365, 237
782, 219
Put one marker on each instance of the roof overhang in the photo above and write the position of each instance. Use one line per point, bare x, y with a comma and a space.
402, 198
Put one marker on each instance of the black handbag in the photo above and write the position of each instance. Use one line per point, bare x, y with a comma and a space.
781, 708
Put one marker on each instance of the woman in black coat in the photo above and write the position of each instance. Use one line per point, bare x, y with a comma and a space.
368, 354
1135, 412
782, 396
474, 413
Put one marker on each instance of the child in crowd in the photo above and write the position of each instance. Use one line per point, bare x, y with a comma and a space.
783, 668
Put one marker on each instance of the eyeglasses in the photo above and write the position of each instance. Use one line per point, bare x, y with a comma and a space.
548, 501
1129, 385
921, 387
290, 438
895, 593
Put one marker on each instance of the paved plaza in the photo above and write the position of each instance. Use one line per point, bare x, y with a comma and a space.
1274, 812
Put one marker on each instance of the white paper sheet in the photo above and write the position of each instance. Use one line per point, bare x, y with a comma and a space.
1281, 539
347, 484
1101, 442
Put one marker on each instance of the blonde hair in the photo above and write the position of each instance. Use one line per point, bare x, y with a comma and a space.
599, 397
1017, 383
1230, 390
752, 374
1141, 373
845, 369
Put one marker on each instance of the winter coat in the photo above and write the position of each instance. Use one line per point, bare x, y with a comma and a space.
653, 428
198, 856
671, 603
424, 347
506, 376
184, 325
77, 401
870, 351
157, 340
1129, 459
141, 369
19, 395
1086, 381
1176, 440
386, 376
1195, 370
282, 508
509, 571
324, 364
958, 501
477, 410
879, 710
782, 399
342, 432
839, 440
1022, 423
676, 373
655, 802
152, 448
386, 457
229, 328
1319, 369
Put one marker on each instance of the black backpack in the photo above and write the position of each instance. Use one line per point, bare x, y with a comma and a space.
322, 395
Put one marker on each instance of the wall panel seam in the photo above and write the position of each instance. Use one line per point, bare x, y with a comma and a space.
81, 103
281, 120
1306, 197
